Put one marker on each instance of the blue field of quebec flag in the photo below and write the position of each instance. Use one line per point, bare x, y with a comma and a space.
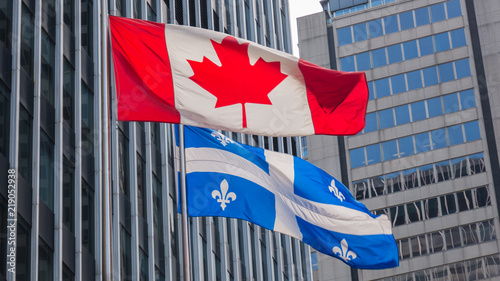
286, 194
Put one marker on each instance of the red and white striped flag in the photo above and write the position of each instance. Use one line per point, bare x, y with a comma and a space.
193, 76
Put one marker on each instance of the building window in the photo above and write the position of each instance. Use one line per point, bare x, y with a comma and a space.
125, 255
68, 92
442, 42
406, 20
157, 208
88, 217
69, 10
68, 194
141, 187
45, 262
27, 40
375, 28
46, 170
453, 8
123, 154
410, 49
458, 38
422, 16
391, 24
379, 57
67, 274
426, 45
23, 250
395, 54
6, 23
359, 31
344, 35
4, 120
437, 12
363, 61
25, 140
143, 266
87, 21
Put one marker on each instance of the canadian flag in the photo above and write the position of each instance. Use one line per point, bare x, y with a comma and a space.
193, 76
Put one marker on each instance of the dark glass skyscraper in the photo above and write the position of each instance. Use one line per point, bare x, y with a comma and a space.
52, 83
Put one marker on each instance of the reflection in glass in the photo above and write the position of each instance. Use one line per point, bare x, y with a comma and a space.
373, 154
379, 57
418, 111
434, 107
446, 72
414, 80
391, 24
463, 68
455, 134
450, 103
442, 42
375, 28
443, 171
398, 84
394, 53
390, 149
422, 142
458, 38
402, 114
359, 31
431, 208
410, 49
422, 16
472, 131
382, 87
426, 175
430, 76
467, 99
437, 12
406, 20
344, 35
453, 8
363, 61
426, 46
386, 118
410, 178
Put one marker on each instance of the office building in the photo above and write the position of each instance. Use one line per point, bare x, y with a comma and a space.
428, 155
53, 112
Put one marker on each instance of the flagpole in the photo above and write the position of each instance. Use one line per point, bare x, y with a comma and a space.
106, 138
185, 222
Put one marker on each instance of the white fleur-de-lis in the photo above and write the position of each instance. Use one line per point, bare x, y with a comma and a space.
223, 139
336, 191
224, 197
344, 253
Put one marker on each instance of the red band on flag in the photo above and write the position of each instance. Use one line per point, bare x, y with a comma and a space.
337, 100
142, 71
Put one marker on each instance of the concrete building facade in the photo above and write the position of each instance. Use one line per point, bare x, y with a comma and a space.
428, 156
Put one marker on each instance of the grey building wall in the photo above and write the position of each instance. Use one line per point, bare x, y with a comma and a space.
437, 240
53, 77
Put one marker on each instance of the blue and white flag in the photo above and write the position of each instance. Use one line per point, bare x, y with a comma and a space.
286, 194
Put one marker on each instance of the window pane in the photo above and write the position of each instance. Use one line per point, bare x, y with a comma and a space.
422, 16
458, 38
426, 175
347, 64
47, 171
442, 42
344, 35
398, 84
434, 107
379, 58
418, 111
361, 190
398, 215
463, 69
453, 8
359, 31
443, 171
438, 139
422, 142
406, 146
363, 61
430, 76
414, 80
448, 204
87, 217
451, 103
371, 92
431, 208
371, 122
472, 131
426, 46
477, 164
467, 99
391, 24
437, 12
402, 114
390, 150
406, 20
373, 154
357, 157
414, 212
410, 49
375, 28
393, 182
459, 167
464, 200
410, 178
386, 118
382, 87
395, 54
446, 72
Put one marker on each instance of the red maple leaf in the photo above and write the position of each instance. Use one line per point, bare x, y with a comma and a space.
236, 80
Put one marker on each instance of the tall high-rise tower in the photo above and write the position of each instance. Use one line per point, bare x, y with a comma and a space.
52, 83
428, 156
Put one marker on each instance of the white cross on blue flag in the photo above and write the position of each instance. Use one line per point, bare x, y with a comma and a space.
286, 194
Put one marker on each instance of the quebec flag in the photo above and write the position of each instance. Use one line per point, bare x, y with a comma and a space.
286, 194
